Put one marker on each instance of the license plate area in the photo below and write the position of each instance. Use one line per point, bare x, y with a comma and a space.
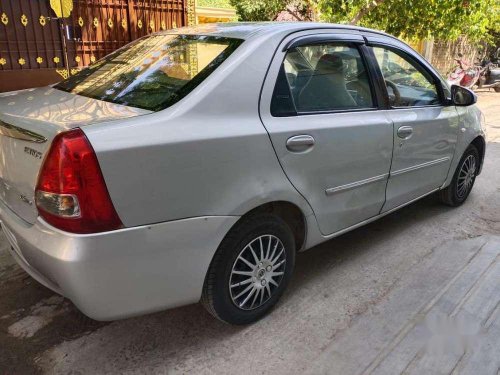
11, 239
19, 203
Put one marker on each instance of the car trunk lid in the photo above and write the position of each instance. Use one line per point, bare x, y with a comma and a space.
29, 121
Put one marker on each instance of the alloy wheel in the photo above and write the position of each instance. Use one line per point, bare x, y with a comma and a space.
257, 272
466, 176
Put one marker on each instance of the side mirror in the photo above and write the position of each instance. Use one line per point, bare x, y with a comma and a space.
460, 96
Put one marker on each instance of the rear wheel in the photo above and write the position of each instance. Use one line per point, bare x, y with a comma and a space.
497, 88
250, 270
463, 179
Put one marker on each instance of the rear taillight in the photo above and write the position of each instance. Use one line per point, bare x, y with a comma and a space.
71, 193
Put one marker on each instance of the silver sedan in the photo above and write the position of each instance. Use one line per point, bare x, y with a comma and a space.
193, 164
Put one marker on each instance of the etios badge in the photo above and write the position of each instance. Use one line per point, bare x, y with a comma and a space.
32, 152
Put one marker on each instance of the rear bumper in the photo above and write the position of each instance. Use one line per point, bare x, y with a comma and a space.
122, 273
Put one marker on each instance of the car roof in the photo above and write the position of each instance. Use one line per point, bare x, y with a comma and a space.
246, 30
251, 30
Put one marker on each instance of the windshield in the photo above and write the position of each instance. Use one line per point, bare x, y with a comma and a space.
153, 72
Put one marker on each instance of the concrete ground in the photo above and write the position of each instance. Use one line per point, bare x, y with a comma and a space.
417, 292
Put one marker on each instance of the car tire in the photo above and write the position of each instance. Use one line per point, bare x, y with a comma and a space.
250, 270
463, 179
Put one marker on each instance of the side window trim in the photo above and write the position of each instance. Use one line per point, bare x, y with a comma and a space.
377, 84
318, 39
350, 110
406, 55
281, 90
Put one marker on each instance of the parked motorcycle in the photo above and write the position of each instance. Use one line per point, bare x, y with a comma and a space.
489, 77
464, 75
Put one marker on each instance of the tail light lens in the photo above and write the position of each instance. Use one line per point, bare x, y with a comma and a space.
71, 193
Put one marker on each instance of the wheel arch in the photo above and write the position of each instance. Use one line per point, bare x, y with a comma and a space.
289, 212
480, 144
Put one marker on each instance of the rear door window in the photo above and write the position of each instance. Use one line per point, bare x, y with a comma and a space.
322, 78
153, 72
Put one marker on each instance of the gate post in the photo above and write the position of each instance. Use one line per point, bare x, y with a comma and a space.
132, 31
64, 46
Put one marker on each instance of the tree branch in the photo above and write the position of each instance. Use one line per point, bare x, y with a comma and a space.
294, 14
365, 11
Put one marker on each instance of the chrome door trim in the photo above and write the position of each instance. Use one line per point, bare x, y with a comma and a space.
356, 184
420, 166
376, 217
16, 132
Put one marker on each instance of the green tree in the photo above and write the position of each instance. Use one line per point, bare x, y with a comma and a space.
411, 19
417, 19
268, 10
214, 3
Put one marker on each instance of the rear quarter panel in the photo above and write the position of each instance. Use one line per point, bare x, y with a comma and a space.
207, 155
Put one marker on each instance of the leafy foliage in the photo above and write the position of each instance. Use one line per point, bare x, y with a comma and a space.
417, 19
214, 3
268, 10
410, 19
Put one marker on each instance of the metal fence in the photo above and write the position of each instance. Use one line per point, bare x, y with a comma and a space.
47, 36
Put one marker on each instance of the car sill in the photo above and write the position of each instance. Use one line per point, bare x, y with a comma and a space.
367, 221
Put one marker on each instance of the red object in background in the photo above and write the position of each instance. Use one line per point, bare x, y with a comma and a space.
464, 75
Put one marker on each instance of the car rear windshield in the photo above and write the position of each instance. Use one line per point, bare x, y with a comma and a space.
153, 72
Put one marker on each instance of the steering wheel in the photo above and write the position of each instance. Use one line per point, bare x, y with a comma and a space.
395, 98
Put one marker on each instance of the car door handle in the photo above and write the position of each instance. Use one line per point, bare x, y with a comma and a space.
405, 132
299, 143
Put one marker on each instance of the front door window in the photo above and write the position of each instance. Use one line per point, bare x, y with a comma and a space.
408, 84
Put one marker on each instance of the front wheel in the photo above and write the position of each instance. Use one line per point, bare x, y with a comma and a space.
463, 179
250, 270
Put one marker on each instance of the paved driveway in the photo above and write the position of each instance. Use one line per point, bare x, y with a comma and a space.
416, 292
